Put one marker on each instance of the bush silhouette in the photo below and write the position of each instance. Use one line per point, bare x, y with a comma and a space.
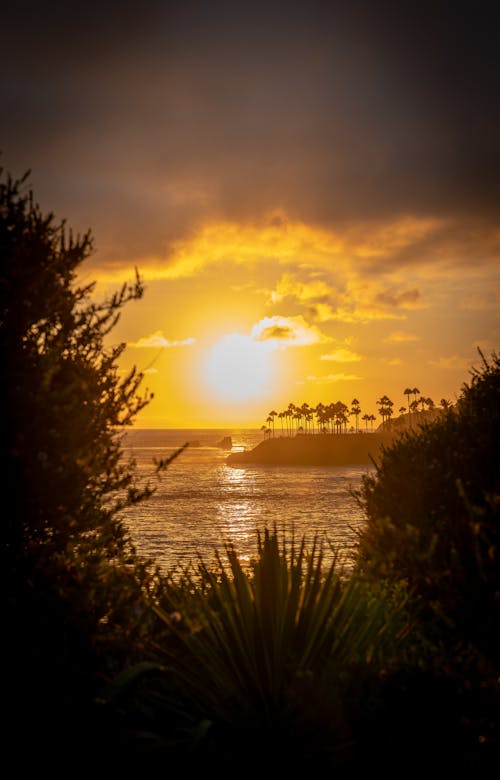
433, 521
73, 580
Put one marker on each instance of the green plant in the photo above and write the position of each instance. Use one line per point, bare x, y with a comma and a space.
432, 511
74, 584
433, 523
272, 659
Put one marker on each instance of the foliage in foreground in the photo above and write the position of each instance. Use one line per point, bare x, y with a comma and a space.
289, 658
74, 583
279, 662
433, 522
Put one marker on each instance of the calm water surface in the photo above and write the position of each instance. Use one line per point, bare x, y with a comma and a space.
201, 503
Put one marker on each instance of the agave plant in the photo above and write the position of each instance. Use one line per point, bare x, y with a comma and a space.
276, 645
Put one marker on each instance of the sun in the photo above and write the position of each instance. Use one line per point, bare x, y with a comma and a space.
238, 368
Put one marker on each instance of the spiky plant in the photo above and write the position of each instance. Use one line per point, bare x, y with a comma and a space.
279, 649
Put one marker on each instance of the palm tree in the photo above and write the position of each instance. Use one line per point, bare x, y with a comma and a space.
271, 417
366, 418
319, 411
305, 411
445, 404
339, 415
341, 419
344, 413
407, 392
372, 419
330, 416
321, 417
386, 405
355, 410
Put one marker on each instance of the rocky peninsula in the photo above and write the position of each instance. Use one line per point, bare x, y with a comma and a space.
326, 449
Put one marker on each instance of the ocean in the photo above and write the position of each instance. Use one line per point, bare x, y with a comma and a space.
200, 503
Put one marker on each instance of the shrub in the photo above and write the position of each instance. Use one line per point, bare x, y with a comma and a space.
432, 511
274, 664
74, 583
433, 522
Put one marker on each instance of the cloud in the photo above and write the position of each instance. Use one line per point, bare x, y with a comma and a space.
330, 379
157, 340
310, 290
348, 120
270, 238
288, 332
406, 299
342, 355
352, 309
348, 293
451, 362
322, 312
400, 337
488, 299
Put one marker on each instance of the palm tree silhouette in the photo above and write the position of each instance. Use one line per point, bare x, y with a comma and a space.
271, 417
305, 412
386, 405
355, 410
334, 417
414, 406
407, 392
321, 417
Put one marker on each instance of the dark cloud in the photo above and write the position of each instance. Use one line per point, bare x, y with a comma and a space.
276, 332
396, 300
334, 112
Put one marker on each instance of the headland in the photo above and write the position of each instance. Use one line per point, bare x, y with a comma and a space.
326, 449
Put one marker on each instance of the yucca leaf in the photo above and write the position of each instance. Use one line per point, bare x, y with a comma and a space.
250, 635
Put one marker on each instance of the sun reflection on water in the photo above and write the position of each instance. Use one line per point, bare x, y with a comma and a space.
239, 512
202, 504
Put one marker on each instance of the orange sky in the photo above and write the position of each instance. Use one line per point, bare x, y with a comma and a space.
310, 191
245, 318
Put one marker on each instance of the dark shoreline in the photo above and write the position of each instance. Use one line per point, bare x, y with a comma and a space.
325, 449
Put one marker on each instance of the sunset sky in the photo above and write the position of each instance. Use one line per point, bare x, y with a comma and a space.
310, 190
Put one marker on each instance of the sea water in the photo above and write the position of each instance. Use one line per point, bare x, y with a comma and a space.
201, 503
